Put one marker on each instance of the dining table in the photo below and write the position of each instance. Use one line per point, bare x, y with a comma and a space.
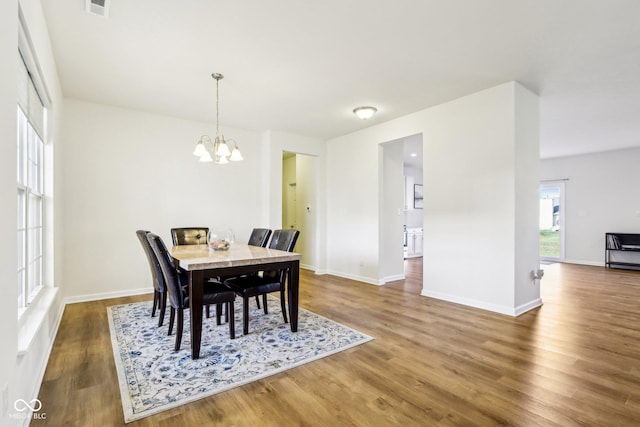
202, 264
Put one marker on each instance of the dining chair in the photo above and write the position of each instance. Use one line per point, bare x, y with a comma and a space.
189, 236
159, 287
214, 293
269, 281
258, 237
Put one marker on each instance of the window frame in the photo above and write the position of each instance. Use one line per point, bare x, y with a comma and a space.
32, 115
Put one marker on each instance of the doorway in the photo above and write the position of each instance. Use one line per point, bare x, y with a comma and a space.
401, 201
299, 203
551, 222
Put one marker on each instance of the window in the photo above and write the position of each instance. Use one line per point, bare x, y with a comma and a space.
30, 188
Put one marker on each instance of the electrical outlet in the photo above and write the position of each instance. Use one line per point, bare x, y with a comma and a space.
537, 274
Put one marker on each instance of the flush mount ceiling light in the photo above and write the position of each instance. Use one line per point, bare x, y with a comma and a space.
217, 150
365, 112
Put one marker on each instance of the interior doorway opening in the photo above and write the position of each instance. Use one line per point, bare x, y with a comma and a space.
401, 206
551, 222
299, 195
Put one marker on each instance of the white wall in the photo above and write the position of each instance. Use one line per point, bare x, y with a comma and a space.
391, 211
472, 254
8, 224
126, 170
601, 195
527, 206
27, 342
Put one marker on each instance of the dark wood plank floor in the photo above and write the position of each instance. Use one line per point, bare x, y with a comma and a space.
573, 361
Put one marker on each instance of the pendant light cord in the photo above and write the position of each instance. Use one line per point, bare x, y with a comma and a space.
217, 108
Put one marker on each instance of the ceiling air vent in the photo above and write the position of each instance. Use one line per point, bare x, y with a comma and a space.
97, 7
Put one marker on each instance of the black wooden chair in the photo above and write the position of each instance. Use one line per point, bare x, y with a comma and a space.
269, 281
259, 237
189, 236
178, 292
159, 287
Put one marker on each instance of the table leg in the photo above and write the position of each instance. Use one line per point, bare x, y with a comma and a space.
293, 282
196, 279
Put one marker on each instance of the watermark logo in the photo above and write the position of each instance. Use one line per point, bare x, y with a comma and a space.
30, 409
22, 405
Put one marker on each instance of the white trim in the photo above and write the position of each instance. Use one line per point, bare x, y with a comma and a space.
528, 306
44, 358
509, 311
32, 319
581, 262
393, 278
357, 278
107, 295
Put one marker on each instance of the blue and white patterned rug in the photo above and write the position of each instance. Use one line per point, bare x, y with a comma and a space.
153, 378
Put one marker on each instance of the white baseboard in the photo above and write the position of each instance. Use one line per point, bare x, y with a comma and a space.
581, 262
521, 309
107, 295
368, 280
393, 278
509, 311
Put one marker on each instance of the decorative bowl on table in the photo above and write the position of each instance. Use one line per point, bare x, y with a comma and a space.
220, 240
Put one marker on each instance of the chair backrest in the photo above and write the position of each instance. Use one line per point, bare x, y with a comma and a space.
156, 272
189, 236
175, 297
283, 240
259, 237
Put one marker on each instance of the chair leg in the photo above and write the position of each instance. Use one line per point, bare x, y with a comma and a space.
163, 308
264, 303
179, 329
207, 310
258, 301
156, 298
232, 321
172, 316
283, 306
245, 316
218, 314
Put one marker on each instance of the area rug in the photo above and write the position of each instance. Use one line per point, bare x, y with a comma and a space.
153, 378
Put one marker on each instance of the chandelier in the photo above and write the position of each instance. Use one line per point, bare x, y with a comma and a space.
217, 150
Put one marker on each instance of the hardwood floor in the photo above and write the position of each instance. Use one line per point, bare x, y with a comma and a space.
573, 361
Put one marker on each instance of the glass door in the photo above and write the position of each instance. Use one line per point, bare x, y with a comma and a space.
552, 221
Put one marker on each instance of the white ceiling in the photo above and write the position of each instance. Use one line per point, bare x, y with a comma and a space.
302, 66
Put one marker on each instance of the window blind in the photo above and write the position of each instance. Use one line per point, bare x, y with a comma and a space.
28, 98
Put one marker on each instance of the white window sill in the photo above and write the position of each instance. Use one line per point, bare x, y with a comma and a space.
32, 319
